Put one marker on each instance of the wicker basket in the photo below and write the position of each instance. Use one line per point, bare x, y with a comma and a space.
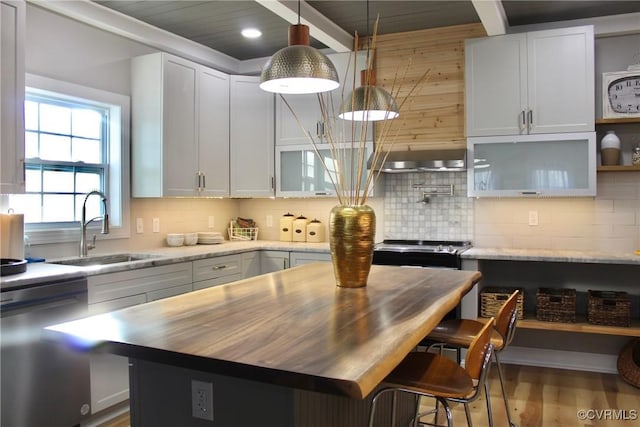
609, 308
556, 305
629, 362
492, 298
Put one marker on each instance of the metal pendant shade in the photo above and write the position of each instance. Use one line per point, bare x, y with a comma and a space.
299, 68
369, 102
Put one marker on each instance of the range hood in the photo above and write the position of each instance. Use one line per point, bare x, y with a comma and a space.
423, 161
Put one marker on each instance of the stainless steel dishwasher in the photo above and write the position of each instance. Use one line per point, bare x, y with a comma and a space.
43, 383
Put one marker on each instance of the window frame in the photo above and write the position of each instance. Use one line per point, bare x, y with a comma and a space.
117, 160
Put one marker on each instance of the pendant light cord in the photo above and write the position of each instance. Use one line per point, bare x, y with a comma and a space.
298, 12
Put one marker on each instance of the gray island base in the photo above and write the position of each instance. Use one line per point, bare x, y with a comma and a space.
282, 349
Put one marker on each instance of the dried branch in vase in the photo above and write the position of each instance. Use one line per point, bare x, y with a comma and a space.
347, 140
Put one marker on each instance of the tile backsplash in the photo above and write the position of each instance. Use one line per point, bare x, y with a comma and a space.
442, 217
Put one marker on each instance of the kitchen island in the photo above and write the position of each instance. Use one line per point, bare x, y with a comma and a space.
282, 349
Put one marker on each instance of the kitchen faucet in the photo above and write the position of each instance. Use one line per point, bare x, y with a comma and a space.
84, 246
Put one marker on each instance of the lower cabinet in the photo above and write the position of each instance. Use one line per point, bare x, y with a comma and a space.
216, 271
271, 261
299, 258
109, 374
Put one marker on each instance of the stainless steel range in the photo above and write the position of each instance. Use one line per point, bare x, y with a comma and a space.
421, 253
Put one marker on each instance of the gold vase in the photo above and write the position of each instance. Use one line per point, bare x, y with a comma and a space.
352, 232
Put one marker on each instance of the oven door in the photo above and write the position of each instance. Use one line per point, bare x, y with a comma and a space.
417, 259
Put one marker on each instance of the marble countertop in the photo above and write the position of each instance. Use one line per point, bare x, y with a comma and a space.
550, 255
48, 271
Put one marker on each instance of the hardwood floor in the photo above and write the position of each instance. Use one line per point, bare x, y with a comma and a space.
543, 397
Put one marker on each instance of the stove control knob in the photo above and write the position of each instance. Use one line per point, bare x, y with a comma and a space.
450, 249
439, 248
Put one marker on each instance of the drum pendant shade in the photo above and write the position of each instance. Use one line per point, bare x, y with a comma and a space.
299, 68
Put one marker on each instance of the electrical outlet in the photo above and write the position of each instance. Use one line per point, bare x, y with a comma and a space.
139, 226
533, 217
211, 221
269, 220
156, 225
202, 400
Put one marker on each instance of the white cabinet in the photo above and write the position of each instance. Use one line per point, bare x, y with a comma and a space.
562, 164
251, 136
216, 271
300, 171
12, 26
107, 292
307, 109
180, 128
530, 83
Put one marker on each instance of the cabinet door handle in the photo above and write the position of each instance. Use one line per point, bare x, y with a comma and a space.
219, 267
204, 181
273, 182
530, 120
523, 121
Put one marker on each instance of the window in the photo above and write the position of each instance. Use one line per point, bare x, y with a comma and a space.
76, 141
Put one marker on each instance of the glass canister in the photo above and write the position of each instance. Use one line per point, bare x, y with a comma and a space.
635, 156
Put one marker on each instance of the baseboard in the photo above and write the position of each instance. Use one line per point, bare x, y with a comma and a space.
592, 362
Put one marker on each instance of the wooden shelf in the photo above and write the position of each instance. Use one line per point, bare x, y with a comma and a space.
622, 168
581, 326
618, 121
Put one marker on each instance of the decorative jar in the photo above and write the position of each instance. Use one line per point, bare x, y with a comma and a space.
352, 232
610, 149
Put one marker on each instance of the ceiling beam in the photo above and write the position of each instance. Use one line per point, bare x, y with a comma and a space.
320, 27
492, 15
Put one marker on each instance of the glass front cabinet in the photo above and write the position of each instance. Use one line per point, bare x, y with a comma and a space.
560, 165
300, 171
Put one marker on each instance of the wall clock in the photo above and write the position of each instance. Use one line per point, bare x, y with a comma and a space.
621, 94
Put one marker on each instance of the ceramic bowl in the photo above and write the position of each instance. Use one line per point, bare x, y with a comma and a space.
190, 239
175, 239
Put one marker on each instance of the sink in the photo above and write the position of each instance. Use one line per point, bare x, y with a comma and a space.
103, 259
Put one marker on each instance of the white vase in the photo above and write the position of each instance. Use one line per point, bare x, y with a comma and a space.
610, 149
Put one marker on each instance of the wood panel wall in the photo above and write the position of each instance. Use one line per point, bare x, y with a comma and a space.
433, 117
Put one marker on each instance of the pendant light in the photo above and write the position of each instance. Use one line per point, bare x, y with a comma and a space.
369, 102
299, 68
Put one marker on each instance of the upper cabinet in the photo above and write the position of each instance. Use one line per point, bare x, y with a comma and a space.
552, 165
12, 14
290, 128
180, 128
530, 83
251, 124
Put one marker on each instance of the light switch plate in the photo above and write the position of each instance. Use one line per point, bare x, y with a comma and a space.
533, 217
156, 225
139, 226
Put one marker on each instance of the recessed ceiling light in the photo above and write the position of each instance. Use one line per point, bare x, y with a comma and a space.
251, 33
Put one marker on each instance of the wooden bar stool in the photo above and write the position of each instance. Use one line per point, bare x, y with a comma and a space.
437, 376
461, 332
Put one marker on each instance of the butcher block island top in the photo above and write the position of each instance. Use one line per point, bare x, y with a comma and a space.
293, 328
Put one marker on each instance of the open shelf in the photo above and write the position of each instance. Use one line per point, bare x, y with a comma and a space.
619, 168
618, 121
581, 326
